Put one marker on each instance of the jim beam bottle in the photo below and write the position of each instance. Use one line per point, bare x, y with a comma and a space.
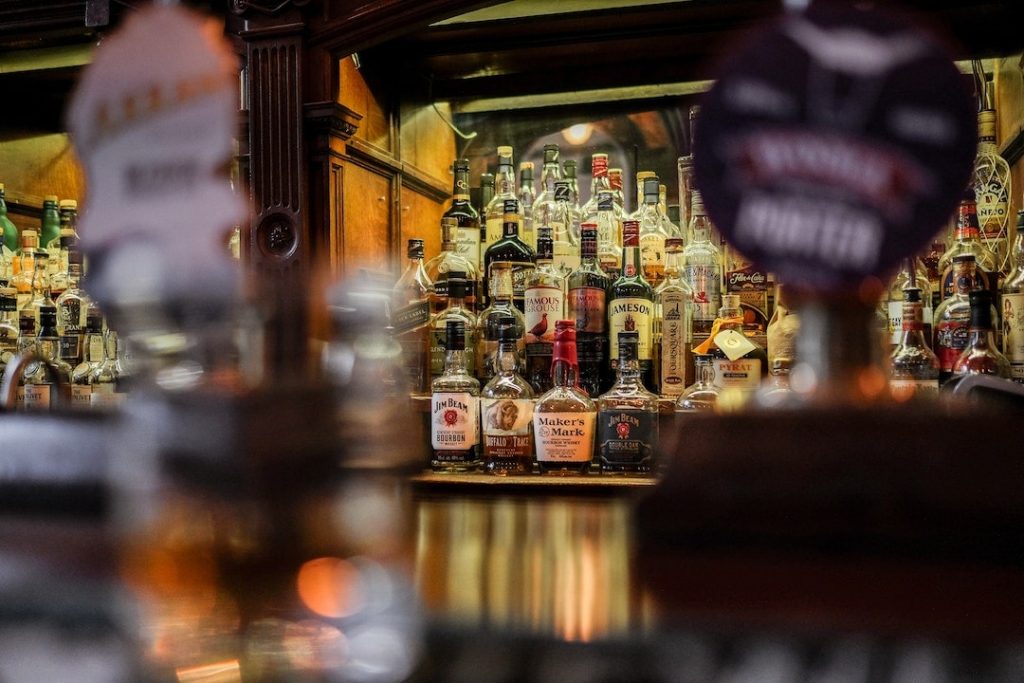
631, 304
913, 367
545, 304
627, 417
673, 311
454, 408
1013, 307
564, 418
506, 409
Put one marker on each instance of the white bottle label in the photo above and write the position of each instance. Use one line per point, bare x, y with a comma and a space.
906, 389
506, 427
564, 437
744, 374
37, 397
630, 315
706, 283
80, 395
545, 304
454, 421
675, 332
1013, 332
895, 309
467, 245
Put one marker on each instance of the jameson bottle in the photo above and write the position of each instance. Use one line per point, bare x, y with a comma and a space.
627, 417
913, 367
564, 417
454, 408
631, 304
511, 252
1013, 307
587, 306
467, 219
545, 304
981, 356
506, 409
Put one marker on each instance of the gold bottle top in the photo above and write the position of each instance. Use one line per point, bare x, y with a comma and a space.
987, 124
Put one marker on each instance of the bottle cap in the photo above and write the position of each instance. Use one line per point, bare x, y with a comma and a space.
455, 335
630, 233
550, 153
415, 248
569, 166
526, 166
588, 230
456, 285
68, 204
50, 199
641, 176
673, 244
504, 151
651, 187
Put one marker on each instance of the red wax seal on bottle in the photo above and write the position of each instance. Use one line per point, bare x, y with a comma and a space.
565, 342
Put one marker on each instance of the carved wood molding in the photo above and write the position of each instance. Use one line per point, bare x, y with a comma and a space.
414, 178
265, 7
331, 117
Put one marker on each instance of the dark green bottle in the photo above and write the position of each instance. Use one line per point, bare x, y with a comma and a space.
50, 229
10, 232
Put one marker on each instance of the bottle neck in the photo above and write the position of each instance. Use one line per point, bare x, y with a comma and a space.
912, 333
455, 362
510, 228
700, 228
628, 372
460, 187
564, 373
449, 234
505, 181
631, 256
507, 359
704, 371
455, 301
673, 264
967, 228
588, 250
500, 286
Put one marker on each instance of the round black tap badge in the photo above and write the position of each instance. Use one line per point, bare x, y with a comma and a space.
835, 143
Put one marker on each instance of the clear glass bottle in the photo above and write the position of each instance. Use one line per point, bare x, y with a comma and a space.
103, 378
775, 392
569, 175
41, 384
488, 322
486, 195
8, 325
26, 342
631, 303
913, 367
911, 274
467, 236
652, 234
72, 311
615, 183
952, 317
506, 410
1012, 303
598, 183
702, 395
545, 304
967, 240
550, 173
455, 407
673, 311
49, 229
511, 252
627, 417
95, 353
670, 228
496, 212
609, 235
702, 268
992, 187
930, 260
67, 236
981, 356
527, 196
449, 260
24, 257
564, 418
740, 363
414, 284
40, 284
438, 327
411, 321
587, 305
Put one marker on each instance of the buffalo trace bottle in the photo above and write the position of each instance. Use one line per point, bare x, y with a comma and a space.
513, 252
627, 417
913, 367
980, 356
1012, 303
673, 301
455, 409
564, 417
545, 304
506, 410
952, 317
587, 306
631, 304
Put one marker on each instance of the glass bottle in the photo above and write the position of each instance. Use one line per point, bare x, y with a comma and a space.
9, 238
911, 274
545, 304
411, 319
550, 173
26, 279
487, 325
506, 410
740, 363
930, 260
641, 178
615, 183
782, 329
103, 378
627, 417
609, 235
49, 229
26, 342
652, 234
952, 317
24, 257
702, 395
40, 284
775, 392
95, 353
564, 417
455, 407
40, 381
598, 183
414, 284
587, 305
670, 228
702, 268
1012, 302
981, 356
72, 310
673, 309
564, 224
511, 252
631, 303
913, 367
467, 236
684, 168
497, 209
992, 188
486, 195
67, 236
569, 174
967, 240
449, 260
527, 196
8, 325
438, 327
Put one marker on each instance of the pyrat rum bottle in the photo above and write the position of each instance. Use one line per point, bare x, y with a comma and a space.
564, 418
506, 409
455, 409
627, 417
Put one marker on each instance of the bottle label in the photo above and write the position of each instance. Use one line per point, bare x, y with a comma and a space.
566, 257
494, 229
454, 421
705, 281
506, 426
37, 397
652, 257
104, 397
564, 437
69, 347
438, 350
982, 280
675, 333
1013, 332
467, 244
950, 341
744, 374
402, 320
627, 437
630, 315
80, 395
895, 314
587, 308
907, 389
545, 304
97, 351
993, 207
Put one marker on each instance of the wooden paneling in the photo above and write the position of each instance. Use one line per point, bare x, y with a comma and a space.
34, 166
370, 100
427, 142
366, 218
420, 218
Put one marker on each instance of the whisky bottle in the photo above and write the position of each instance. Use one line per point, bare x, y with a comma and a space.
673, 309
72, 310
930, 260
569, 175
545, 304
911, 274
684, 167
31, 281
702, 268
67, 236
527, 196
740, 363
8, 325
913, 367
24, 257
411, 319
40, 380
598, 183
506, 410
449, 260
95, 353
103, 378
702, 395
670, 228
438, 327
627, 416
782, 329
26, 342
49, 229
511, 252
486, 195
413, 284
587, 305
967, 240
1013, 306
981, 356
952, 317
615, 183
631, 303
487, 325
550, 173
40, 284
564, 223
564, 417
776, 392
454, 406
992, 181
497, 209
609, 235
467, 233
652, 234
9, 238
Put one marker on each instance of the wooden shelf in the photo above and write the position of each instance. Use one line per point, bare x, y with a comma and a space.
531, 483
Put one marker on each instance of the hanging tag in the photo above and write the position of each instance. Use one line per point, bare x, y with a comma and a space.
734, 344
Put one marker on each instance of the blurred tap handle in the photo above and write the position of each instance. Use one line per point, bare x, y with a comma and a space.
15, 371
